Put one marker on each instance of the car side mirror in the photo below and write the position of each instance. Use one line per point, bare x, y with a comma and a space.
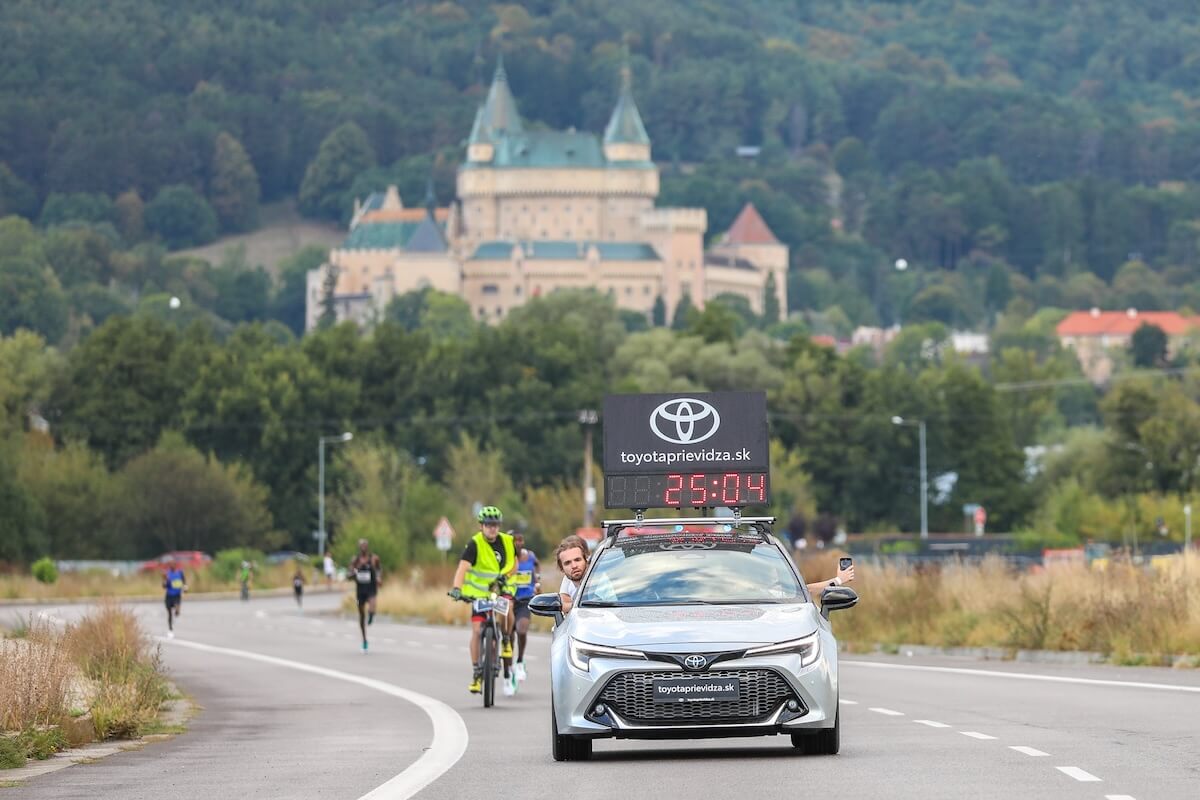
547, 605
836, 598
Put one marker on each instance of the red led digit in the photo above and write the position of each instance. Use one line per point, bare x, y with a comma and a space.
760, 487
697, 487
674, 484
729, 489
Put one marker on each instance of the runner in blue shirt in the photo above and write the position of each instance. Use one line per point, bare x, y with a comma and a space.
174, 583
528, 580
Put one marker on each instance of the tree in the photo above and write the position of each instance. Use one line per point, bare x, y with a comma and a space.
683, 313
23, 523
343, 154
1148, 346
76, 207
131, 215
770, 313
233, 190
180, 217
174, 498
289, 303
31, 297
658, 316
78, 495
328, 316
16, 196
27, 368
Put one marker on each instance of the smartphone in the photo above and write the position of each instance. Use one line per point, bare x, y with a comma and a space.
844, 562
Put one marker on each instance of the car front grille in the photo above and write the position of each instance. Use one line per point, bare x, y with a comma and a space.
761, 692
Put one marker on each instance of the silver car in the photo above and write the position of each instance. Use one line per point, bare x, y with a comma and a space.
693, 628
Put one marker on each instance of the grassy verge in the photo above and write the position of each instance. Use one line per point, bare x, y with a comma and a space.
100, 678
1134, 615
104, 584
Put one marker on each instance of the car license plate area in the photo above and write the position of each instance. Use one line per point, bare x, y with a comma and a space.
700, 689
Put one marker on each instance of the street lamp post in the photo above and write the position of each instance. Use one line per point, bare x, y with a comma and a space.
924, 474
321, 442
588, 418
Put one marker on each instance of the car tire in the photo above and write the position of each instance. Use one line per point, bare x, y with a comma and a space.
824, 742
567, 748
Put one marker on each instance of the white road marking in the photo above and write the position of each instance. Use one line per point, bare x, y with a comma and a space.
260, 614
1028, 676
449, 731
888, 712
977, 735
1118, 797
848, 702
1029, 751
412, 643
1078, 774
931, 723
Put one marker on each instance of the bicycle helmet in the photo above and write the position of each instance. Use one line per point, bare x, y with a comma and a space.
490, 514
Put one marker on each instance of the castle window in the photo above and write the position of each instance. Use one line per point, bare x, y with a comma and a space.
517, 290
491, 288
646, 289
482, 312
628, 291
499, 311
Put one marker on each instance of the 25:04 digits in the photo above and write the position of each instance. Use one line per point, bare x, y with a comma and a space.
678, 489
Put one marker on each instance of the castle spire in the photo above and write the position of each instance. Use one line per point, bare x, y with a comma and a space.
625, 137
499, 114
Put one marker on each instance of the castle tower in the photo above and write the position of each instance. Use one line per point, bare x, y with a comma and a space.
625, 137
496, 119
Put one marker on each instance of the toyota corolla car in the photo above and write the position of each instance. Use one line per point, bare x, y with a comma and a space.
687, 629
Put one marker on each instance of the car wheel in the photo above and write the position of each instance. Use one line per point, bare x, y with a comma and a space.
824, 742
567, 748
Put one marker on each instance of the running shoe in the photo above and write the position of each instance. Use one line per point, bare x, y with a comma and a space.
519, 670
364, 646
510, 686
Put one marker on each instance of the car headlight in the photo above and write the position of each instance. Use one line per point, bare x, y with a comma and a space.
807, 647
581, 653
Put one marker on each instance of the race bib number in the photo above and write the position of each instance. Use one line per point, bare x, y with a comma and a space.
502, 606
481, 606
363, 575
522, 578
176, 584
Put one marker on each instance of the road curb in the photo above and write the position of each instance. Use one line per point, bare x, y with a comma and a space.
153, 598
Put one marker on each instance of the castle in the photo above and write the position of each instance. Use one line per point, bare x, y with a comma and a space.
538, 211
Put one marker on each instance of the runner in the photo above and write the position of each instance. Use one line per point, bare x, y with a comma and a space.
298, 587
174, 583
247, 573
528, 580
368, 577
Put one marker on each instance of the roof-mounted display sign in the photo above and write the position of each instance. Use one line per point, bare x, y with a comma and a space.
686, 450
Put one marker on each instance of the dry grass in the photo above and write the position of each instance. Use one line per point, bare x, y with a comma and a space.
1131, 613
102, 669
104, 584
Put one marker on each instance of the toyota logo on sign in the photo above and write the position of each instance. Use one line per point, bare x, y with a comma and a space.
684, 420
695, 662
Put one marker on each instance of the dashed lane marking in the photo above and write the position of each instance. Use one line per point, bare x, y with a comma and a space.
1078, 774
1029, 751
977, 735
1118, 797
449, 731
931, 723
888, 712
1027, 676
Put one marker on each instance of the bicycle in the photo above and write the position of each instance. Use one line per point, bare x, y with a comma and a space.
491, 607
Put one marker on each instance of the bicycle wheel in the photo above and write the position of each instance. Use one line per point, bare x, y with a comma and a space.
488, 663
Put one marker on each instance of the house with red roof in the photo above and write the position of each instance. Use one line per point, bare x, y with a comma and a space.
741, 258
1095, 334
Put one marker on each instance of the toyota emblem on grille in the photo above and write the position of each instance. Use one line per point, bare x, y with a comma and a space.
684, 420
695, 662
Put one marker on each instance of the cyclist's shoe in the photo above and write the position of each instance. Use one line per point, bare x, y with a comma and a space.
519, 671
506, 649
476, 685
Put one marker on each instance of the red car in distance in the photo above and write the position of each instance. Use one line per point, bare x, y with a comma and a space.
185, 559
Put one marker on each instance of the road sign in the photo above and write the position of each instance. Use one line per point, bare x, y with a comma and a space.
980, 520
443, 533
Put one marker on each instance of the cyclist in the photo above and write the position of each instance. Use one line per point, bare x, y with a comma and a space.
486, 560
174, 583
367, 573
528, 581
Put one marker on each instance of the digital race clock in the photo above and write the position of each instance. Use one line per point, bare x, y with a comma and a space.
686, 450
687, 490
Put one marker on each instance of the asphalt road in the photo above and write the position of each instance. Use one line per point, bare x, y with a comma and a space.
912, 728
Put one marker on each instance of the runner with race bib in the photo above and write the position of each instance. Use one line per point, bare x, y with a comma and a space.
528, 580
366, 573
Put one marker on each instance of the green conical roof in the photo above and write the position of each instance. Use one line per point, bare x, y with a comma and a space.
625, 126
499, 116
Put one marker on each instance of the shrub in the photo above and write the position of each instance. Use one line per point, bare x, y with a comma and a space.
41, 743
227, 564
12, 752
45, 571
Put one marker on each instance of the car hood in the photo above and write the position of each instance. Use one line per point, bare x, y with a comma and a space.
670, 628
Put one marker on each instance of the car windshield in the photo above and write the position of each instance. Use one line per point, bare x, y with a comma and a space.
690, 565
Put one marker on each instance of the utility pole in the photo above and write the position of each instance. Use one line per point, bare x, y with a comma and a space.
321, 441
588, 418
